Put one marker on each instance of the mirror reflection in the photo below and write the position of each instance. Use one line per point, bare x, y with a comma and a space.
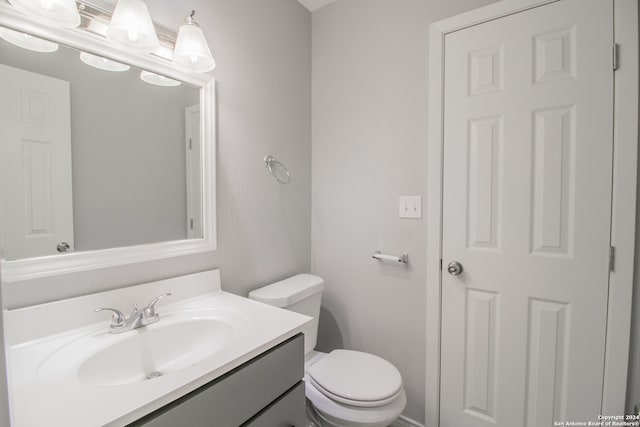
94, 154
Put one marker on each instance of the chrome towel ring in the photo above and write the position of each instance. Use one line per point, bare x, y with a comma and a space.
273, 165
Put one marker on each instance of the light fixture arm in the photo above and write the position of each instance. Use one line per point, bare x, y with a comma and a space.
188, 20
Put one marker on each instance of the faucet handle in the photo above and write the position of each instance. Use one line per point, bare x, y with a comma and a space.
149, 312
117, 320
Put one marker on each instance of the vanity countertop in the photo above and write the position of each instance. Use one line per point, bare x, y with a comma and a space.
47, 388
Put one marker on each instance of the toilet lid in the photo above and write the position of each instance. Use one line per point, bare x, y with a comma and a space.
356, 378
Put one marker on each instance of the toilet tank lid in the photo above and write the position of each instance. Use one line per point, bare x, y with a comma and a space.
289, 291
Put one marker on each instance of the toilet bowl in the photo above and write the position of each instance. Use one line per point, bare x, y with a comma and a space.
370, 405
346, 388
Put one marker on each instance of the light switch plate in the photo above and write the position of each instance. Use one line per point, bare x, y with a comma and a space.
410, 207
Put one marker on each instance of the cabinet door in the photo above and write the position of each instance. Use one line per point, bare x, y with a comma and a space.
239, 395
287, 411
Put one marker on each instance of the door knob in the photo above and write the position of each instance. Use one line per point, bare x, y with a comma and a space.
63, 247
454, 268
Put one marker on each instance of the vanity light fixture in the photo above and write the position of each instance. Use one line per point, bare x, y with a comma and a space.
102, 63
131, 26
157, 79
57, 12
27, 41
191, 50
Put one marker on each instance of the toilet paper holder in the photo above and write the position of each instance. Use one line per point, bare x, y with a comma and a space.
404, 258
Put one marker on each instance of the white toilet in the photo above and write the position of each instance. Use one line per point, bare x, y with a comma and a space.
347, 388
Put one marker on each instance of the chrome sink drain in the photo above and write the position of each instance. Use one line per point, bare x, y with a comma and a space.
154, 374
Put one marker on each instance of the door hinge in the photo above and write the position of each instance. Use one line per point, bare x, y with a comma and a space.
191, 223
612, 258
615, 56
440, 264
190, 144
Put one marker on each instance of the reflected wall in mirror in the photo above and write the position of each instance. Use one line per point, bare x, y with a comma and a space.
93, 159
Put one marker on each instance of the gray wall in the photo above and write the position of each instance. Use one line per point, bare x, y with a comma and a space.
369, 147
263, 52
129, 170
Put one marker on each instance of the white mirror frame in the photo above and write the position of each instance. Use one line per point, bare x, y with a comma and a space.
33, 268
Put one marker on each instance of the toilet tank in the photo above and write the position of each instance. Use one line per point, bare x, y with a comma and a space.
302, 294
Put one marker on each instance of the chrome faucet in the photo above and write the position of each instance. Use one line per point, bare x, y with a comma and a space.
138, 318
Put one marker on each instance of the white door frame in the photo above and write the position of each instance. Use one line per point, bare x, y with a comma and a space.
5, 413
623, 219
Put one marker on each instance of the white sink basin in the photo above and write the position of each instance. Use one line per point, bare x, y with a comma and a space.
66, 369
175, 342
147, 353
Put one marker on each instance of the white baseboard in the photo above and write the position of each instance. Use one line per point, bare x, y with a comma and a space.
405, 422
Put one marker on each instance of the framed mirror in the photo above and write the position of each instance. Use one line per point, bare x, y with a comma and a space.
131, 175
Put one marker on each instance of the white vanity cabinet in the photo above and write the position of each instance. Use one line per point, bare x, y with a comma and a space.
266, 391
223, 360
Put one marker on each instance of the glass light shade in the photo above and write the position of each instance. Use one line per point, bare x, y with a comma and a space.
102, 63
27, 41
131, 25
58, 12
192, 50
157, 79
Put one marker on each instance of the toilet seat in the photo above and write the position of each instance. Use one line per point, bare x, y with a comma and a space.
357, 379
351, 402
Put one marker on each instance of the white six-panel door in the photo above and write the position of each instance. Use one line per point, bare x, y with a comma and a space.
528, 124
35, 160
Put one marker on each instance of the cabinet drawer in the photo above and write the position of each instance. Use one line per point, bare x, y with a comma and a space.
232, 399
287, 411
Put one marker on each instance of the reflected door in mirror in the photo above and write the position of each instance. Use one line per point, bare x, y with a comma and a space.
127, 168
35, 130
194, 161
